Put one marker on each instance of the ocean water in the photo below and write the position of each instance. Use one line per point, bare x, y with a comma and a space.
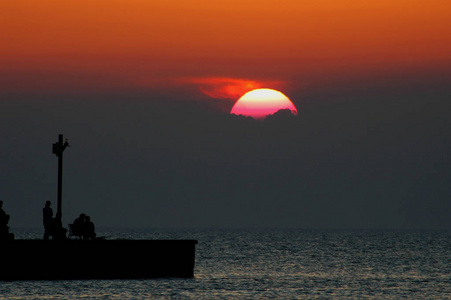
275, 263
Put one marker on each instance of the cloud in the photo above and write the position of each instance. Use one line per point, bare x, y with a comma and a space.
229, 88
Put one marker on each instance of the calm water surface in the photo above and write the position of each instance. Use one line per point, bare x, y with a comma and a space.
284, 264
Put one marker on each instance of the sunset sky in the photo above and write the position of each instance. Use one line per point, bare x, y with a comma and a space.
144, 89
117, 45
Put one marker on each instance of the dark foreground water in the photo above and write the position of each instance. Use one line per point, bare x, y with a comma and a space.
284, 264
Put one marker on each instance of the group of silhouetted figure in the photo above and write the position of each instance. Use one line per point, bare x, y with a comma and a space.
82, 227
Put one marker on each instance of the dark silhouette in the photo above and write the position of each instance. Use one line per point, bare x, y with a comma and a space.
281, 115
106, 259
59, 233
58, 149
4, 218
89, 229
4, 229
77, 228
79, 222
52, 226
98, 259
82, 227
47, 218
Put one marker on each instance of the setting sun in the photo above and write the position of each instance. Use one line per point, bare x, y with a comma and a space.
260, 103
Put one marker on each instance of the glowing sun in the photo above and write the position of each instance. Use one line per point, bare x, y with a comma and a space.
260, 103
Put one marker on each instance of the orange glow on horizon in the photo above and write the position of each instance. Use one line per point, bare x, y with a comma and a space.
260, 103
50, 44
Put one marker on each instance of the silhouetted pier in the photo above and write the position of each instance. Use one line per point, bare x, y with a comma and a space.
96, 259
63, 258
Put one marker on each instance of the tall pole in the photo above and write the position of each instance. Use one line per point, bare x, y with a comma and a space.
60, 180
58, 149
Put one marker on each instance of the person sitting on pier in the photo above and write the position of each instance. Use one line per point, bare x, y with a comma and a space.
78, 227
89, 232
47, 213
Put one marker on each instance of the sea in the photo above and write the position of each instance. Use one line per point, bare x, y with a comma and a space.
274, 264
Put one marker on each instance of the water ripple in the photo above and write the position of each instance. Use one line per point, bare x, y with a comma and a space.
285, 264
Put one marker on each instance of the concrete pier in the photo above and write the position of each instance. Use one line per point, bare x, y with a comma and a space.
96, 259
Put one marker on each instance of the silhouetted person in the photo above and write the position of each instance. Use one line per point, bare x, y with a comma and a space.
89, 231
4, 218
78, 227
4, 229
47, 214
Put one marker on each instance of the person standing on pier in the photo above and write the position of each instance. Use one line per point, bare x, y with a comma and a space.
47, 213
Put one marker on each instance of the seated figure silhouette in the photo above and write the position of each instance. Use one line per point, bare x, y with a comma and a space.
89, 230
78, 227
4, 229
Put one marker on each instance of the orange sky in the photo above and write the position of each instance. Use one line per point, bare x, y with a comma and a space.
85, 44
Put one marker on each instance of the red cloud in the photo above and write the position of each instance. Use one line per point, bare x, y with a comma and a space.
229, 88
